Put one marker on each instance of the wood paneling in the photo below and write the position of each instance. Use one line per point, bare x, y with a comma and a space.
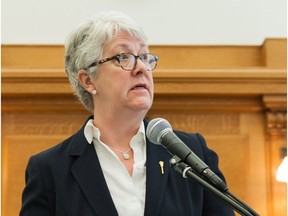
235, 96
26, 133
17, 150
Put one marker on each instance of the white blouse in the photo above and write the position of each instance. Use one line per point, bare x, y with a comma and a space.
127, 192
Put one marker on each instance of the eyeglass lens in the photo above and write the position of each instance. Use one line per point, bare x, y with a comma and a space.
128, 61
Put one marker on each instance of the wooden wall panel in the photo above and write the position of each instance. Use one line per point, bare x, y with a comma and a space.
26, 133
234, 96
17, 150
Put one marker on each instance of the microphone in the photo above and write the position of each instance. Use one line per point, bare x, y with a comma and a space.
159, 131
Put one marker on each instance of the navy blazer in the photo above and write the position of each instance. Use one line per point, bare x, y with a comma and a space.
67, 180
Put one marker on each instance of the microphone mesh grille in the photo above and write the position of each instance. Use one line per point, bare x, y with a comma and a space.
156, 128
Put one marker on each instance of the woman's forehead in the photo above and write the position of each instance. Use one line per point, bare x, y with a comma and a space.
124, 41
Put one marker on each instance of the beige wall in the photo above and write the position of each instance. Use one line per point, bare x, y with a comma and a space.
166, 22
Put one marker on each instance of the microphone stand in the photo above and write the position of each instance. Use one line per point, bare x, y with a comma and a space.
228, 198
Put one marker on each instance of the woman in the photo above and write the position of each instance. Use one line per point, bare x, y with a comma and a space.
109, 167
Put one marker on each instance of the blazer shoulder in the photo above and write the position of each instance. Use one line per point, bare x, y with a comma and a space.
65, 147
74, 145
195, 141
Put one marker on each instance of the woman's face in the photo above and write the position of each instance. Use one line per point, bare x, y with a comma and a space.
118, 89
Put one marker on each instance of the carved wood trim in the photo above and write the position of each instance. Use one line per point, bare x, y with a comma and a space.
276, 122
276, 114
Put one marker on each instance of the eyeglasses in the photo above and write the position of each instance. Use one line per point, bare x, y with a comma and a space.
128, 61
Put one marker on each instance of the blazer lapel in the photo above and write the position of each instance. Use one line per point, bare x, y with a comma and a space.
156, 177
87, 172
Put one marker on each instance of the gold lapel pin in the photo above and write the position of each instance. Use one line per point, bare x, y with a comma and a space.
161, 163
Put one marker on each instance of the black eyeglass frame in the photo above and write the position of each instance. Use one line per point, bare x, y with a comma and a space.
117, 57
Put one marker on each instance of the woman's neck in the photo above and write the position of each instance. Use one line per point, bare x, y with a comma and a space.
117, 130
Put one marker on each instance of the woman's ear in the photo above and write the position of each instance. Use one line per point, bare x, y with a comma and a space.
85, 80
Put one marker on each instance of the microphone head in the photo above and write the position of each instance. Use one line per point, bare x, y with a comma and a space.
156, 129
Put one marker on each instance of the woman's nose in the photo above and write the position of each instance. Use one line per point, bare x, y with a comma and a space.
140, 67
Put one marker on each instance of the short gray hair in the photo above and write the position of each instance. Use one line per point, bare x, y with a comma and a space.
84, 46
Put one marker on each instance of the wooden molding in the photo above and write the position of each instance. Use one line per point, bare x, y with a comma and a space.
33, 78
275, 102
271, 54
167, 82
182, 70
275, 53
